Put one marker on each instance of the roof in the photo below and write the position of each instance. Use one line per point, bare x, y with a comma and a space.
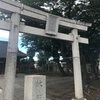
3, 50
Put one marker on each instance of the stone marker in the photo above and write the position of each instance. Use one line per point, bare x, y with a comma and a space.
35, 87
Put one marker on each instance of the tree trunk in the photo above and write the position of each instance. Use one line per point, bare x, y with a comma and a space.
85, 76
64, 50
61, 69
96, 69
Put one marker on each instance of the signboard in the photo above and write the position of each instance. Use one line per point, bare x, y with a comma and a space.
52, 25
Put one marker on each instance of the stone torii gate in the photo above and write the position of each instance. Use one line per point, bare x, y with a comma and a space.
17, 10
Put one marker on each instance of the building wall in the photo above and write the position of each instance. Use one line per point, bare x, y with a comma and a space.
2, 65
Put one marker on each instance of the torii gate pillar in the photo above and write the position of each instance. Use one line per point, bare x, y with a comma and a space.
77, 67
11, 58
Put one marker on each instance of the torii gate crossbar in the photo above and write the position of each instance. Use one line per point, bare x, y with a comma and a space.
18, 10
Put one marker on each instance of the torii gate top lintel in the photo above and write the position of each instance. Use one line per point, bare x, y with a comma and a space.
17, 7
52, 21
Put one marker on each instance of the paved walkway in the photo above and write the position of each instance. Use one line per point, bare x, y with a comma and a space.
19, 86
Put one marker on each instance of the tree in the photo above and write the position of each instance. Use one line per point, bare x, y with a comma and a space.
49, 45
87, 11
43, 60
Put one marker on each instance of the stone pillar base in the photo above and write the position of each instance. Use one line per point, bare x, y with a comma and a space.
78, 99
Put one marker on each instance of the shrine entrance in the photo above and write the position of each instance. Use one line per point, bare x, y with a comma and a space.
17, 11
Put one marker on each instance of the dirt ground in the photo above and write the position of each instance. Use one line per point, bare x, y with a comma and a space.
62, 88
58, 88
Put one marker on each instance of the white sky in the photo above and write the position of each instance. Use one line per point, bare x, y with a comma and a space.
4, 34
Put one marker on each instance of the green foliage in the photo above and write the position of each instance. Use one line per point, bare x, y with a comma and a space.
86, 11
24, 61
91, 14
51, 65
4, 16
42, 59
